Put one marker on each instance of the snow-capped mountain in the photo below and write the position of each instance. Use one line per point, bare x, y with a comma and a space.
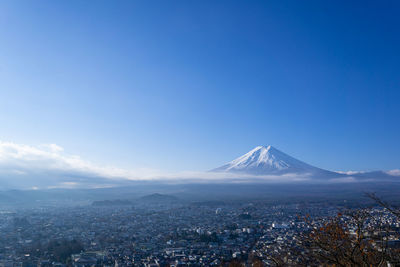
267, 160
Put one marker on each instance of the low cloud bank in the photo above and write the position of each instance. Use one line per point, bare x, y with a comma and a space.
49, 166
394, 172
350, 172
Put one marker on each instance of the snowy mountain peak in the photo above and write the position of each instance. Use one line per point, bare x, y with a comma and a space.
263, 148
263, 157
264, 160
260, 156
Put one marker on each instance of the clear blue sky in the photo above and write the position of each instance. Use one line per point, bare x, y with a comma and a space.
189, 85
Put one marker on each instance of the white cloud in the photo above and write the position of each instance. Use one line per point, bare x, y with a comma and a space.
25, 159
50, 166
52, 147
394, 172
350, 172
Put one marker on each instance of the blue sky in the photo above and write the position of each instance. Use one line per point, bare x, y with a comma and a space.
189, 85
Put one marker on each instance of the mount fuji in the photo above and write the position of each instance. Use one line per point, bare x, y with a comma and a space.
267, 160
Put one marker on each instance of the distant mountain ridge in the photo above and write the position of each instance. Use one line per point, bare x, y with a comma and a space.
156, 197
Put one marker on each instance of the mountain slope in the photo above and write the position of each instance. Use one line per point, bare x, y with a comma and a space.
158, 198
268, 160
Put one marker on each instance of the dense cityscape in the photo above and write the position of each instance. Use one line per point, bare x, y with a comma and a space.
162, 231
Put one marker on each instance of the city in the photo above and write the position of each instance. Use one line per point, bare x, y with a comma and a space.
161, 231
